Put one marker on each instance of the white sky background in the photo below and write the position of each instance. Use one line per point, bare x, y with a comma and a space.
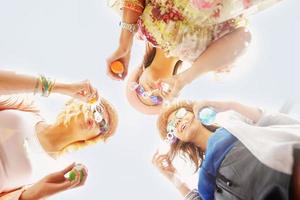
70, 39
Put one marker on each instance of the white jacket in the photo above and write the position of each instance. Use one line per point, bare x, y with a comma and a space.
271, 140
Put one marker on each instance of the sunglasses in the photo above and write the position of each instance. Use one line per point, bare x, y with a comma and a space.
99, 118
140, 90
171, 127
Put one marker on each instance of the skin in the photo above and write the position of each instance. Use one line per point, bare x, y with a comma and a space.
188, 129
13, 83
122, 53
53, 184
54, 138
227, 49
152, 75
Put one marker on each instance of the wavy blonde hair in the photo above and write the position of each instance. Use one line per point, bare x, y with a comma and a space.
73, 109
186, 150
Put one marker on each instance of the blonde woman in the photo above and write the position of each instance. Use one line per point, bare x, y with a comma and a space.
246, 154
24, 132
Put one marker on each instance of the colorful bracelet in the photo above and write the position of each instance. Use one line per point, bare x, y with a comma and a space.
47, 85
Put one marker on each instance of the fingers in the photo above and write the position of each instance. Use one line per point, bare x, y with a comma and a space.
85, 175
154, 157
109, 72
121, 56
199, 105
65, 185
76, 182
161, 161
68, 168
125, 71
112, 75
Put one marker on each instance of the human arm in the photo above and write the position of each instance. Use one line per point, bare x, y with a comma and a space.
53, 184
252, 113
166, 168
122, 53
12, 195
13, 83
220, 54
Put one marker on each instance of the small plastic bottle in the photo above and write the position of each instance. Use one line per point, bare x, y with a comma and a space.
117, 67
207, 116
72, 174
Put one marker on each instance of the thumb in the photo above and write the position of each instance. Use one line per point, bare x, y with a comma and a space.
68, 168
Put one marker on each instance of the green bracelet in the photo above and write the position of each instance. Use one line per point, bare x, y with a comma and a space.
47, 85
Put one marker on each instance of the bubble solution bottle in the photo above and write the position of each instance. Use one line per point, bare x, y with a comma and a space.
207, 116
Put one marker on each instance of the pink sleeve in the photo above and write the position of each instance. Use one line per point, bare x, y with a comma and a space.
13, 195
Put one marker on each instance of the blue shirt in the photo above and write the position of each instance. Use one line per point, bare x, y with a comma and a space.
219, 144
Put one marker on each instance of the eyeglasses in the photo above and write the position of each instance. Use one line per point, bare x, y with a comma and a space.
99, 118
140, 90
171, 127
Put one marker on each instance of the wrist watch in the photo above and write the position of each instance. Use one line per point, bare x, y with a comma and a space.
130, 27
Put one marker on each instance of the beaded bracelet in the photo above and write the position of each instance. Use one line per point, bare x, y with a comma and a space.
47, 85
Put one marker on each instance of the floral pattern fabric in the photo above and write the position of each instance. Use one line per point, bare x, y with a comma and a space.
184, 28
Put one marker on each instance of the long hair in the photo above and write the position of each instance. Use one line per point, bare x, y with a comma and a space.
149, 57
187, 150
72, 109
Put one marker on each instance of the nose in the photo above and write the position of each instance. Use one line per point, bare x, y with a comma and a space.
90, 123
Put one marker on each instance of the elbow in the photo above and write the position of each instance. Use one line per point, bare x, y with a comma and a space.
245, 36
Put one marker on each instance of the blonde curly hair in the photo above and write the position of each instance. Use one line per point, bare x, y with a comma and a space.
73, 109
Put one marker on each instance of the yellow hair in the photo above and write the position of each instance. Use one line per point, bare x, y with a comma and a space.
73, 109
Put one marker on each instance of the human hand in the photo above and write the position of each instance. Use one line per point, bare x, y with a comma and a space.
218, 106
164, 165
171, 87
122, 55
53, 184
83, 90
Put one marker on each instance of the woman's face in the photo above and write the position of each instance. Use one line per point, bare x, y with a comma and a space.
89, 123
184, 123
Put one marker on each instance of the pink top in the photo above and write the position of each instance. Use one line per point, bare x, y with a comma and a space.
15, 163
